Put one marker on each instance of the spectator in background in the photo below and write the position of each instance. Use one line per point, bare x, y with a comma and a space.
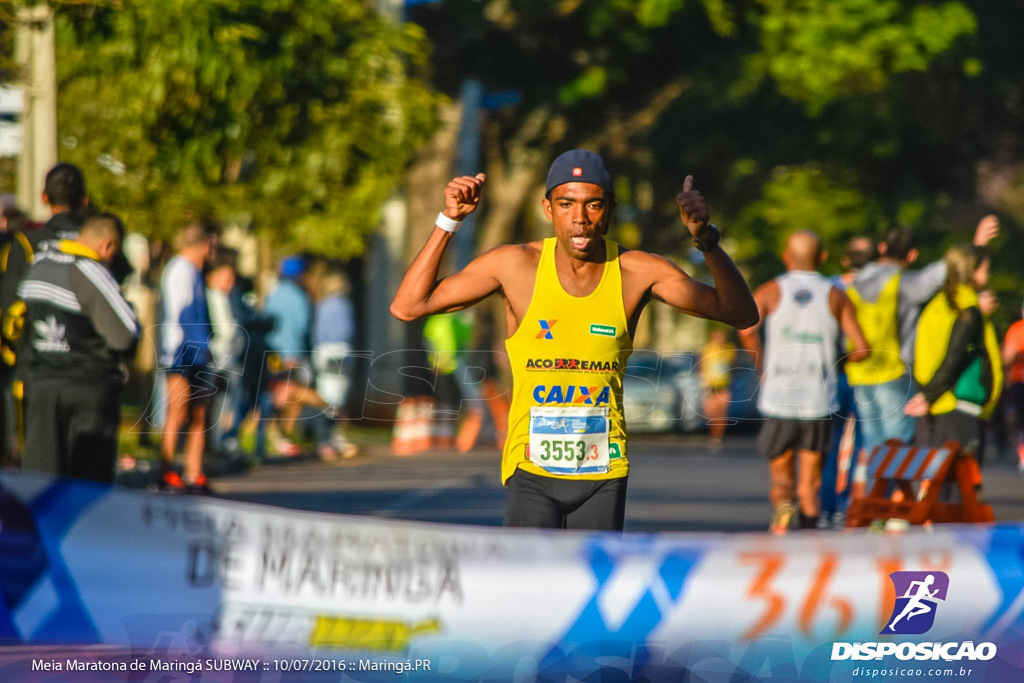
888, 297
717, 359
12, 220
289, 308
838, 467
333, 335
185, 359
289, 311
80, 335
802, 312
227, 345
254, 384
860, 251
14, 223
64, 193
957, 361
993, 430
1013, 363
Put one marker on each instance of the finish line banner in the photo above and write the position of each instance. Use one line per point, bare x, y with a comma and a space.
148, 587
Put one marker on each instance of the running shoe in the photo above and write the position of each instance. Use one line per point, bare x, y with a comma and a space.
171, 482
783, 517
287, 448
838, 519
326, 452
199, 486
345, 448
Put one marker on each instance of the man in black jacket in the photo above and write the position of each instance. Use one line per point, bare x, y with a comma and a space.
79, 335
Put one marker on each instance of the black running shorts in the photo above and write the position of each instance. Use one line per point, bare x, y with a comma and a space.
551, 503
779, 435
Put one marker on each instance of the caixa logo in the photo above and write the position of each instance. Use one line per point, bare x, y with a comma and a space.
918, 595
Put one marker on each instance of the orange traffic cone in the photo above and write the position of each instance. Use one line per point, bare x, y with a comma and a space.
402, 442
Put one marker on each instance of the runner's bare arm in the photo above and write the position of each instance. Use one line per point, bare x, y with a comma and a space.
420, 292
846, 314
766, 298
729, 301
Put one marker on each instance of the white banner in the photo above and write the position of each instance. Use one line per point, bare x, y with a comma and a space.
180, 579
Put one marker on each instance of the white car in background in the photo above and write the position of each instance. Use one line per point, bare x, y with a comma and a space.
662, 392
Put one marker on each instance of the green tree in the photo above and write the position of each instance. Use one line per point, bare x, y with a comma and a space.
725, 89
299, 116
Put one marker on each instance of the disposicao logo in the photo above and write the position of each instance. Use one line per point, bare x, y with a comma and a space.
917, 598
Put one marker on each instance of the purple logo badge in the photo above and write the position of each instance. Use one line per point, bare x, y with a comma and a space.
917, 597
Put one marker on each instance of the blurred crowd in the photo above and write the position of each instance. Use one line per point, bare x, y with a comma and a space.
226, 365
885, 351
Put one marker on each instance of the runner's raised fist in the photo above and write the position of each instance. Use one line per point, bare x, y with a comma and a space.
462, 196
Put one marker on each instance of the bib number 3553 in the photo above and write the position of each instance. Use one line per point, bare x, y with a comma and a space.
566, 440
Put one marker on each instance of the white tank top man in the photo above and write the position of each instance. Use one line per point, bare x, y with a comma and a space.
802, 315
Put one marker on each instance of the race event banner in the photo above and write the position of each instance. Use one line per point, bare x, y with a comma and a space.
110, 584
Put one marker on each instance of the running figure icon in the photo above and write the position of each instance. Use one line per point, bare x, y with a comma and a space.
917, 592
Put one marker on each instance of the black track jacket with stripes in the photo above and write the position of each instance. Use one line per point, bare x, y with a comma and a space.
78, 325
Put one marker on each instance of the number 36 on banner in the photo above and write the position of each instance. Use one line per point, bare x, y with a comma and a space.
823, 594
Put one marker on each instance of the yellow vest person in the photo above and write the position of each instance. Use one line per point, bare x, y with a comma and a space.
933, 332
879, 321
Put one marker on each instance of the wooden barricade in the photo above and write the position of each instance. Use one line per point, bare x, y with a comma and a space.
906, 482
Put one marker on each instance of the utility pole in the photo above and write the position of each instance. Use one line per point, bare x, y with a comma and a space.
38, 66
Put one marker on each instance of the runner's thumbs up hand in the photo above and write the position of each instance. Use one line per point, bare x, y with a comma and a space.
462, 196
693, 210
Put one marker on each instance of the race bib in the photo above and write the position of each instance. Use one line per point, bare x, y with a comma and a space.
569, 440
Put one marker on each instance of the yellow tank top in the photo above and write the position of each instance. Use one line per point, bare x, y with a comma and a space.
568, 353
879, 320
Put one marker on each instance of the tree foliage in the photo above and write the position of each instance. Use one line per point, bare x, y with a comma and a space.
301, 116
842, 116
739, 93
818, 50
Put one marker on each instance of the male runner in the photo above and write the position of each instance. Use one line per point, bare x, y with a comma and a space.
572, 303
802, 313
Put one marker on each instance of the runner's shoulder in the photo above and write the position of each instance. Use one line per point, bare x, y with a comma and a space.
510, 258
644, 264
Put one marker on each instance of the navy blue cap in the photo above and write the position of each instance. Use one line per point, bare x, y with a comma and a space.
579, 166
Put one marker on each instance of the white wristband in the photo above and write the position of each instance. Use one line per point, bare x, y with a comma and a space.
447, 224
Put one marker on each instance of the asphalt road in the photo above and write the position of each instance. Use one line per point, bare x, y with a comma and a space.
676, 484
